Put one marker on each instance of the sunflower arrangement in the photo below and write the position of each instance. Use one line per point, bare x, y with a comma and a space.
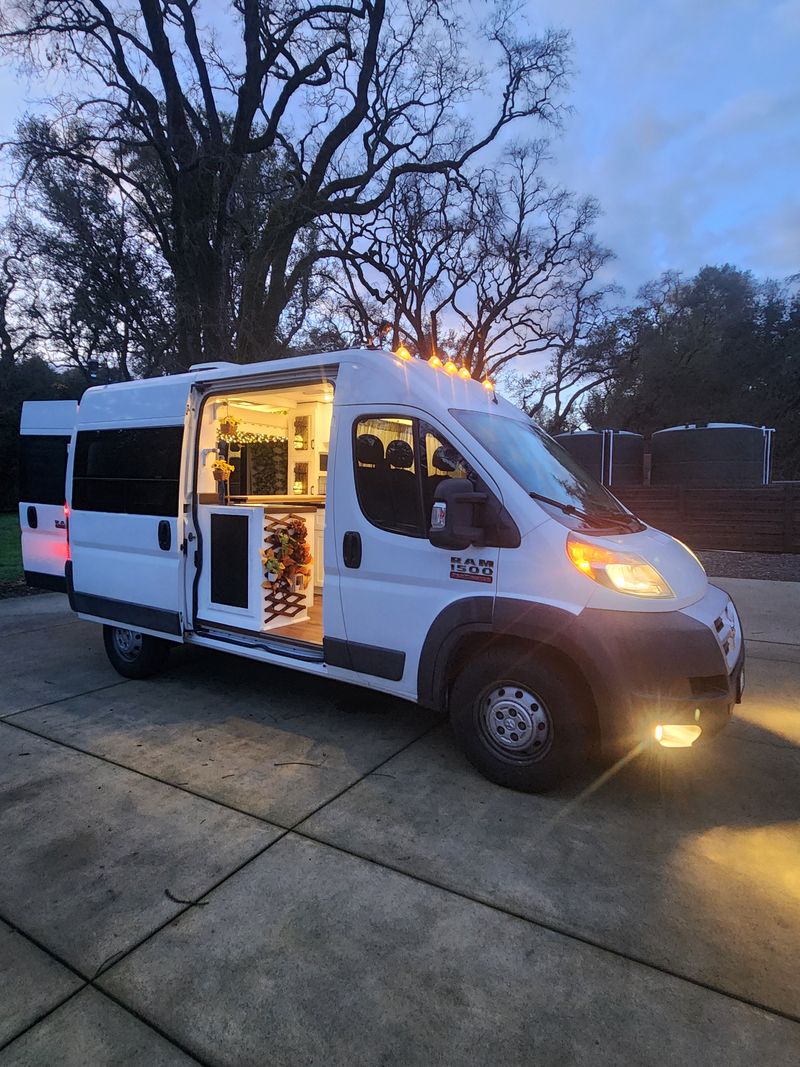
222, 470
286, 557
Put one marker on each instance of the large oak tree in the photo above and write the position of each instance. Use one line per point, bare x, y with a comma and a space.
335, 102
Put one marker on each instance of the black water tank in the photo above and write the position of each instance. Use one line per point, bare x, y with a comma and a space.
588, 447
625, 458
614, 457
714, 455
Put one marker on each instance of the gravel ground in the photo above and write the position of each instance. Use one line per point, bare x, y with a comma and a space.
775, 566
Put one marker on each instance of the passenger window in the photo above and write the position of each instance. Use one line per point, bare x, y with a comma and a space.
387, 474
42, 469
440, 461
133, 472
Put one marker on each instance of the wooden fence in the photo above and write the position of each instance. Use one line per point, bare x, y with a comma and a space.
765, 519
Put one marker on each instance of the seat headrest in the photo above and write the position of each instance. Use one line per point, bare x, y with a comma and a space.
444, 459
369, 448
400, 454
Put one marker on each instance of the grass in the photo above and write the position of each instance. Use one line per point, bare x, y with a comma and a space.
10, 552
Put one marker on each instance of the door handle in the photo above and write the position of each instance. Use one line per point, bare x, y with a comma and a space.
164, 535
33, 517
351, 549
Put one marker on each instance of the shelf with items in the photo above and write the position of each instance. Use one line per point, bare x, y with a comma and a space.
287, 589
308, 455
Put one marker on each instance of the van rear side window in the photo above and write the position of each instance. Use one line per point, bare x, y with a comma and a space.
42, 468
132, 472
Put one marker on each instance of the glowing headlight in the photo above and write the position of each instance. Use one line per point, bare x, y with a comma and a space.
622, 571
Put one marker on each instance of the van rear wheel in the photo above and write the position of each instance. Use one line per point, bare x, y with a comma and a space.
133, 654
521, 721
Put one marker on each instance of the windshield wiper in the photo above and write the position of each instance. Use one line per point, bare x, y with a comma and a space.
610, 518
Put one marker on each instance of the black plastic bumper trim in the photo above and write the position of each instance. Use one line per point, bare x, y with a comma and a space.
366, 659
56, 583
165, 622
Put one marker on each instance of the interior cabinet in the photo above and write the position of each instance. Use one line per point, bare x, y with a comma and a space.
309, 438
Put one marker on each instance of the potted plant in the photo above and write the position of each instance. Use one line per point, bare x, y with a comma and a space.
222, 470
287, 559
228, 427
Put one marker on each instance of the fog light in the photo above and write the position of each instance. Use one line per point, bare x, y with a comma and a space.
676, 735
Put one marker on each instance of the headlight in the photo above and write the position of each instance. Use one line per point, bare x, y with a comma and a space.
622, 571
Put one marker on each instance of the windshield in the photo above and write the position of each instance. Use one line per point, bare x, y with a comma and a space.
539, 464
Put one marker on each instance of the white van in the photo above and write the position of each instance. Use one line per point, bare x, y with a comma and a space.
387, 522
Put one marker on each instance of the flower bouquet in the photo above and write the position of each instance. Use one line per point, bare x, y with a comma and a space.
222, 470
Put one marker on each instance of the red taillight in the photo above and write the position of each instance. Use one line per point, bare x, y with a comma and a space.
66, 520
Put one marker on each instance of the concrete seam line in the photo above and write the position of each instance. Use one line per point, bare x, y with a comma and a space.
205, 796
151, 1025
92, 979
142, 774
40, 1018
61, 700
552, 928
241, 866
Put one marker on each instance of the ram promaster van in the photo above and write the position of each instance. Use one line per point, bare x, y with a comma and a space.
387, 522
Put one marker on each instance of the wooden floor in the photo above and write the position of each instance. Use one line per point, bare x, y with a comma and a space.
309, 630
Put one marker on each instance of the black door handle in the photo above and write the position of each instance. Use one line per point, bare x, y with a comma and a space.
33, 518
164, 535
351, 549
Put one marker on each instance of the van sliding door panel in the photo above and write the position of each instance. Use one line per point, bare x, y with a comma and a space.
125, 512
230, 547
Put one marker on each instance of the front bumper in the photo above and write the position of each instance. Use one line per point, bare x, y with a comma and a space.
678, 667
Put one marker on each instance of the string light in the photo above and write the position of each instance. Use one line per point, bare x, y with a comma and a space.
246, 438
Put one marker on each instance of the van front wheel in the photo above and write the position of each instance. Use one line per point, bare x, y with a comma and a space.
520, 720
133, 654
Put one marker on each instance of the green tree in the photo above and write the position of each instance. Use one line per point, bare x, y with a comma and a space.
718, 347
93, 291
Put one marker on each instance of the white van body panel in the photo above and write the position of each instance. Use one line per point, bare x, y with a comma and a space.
43, 523
116, 558
403, 583
149, 402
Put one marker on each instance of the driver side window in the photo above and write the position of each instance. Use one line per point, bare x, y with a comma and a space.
399, 462
440, 461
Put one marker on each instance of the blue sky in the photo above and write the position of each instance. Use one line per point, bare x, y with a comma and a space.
685, 125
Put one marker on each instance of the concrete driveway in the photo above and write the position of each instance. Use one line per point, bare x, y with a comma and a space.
234, 864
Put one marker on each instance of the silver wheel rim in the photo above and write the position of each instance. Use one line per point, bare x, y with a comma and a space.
515, 720
127, 644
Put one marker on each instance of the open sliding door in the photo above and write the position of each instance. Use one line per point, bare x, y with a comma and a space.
126, 507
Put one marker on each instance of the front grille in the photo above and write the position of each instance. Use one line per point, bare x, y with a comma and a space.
709, 685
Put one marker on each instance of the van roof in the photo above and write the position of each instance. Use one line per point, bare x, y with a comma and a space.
380, 378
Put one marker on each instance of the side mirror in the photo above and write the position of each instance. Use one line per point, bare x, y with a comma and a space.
453, 519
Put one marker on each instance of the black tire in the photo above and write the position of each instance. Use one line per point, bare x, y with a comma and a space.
550, 739
132, 654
